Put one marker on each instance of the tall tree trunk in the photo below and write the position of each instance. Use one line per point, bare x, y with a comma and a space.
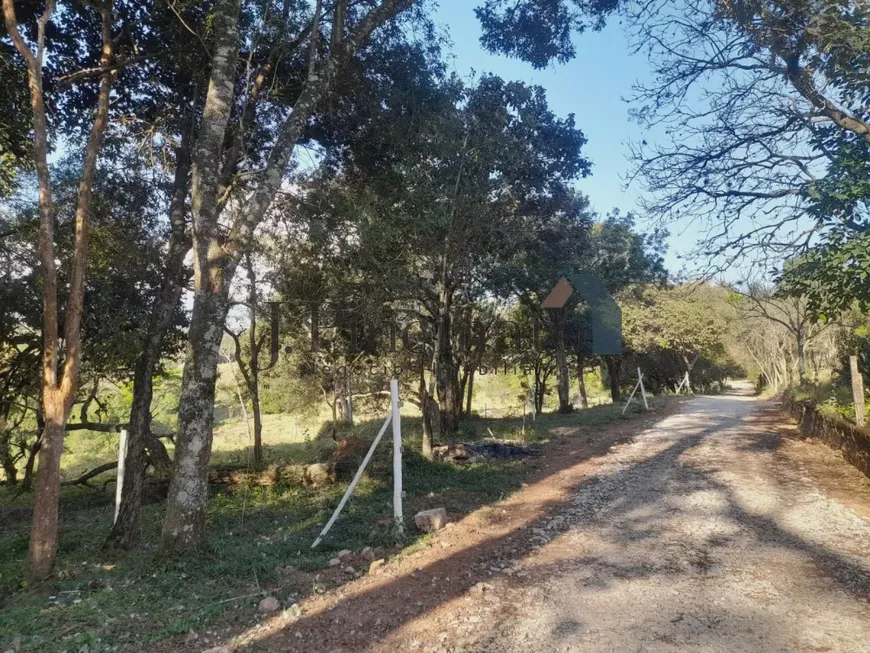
258, 419
426, 410
32, 452
540, 388
582, 381
470, 393
184, 524
9, 467
445, 369
563, 379
59, 387
614, 363
43, 535
460, 391
253, 376
126, 531
801, 359
7, 461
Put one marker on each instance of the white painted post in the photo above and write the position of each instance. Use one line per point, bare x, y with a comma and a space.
356, 478
642, 391
637, 385
397, 456
630, 397
122, 455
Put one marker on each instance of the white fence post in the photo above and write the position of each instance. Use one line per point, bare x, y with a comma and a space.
122, 455
352, 486
637, 385
397, 456
642, 391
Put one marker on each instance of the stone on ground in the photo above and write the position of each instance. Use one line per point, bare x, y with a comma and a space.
432, 520
269, 604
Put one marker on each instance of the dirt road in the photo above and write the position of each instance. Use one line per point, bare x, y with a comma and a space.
696, 535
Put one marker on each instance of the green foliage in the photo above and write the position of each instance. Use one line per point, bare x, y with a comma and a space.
833, 398
15, 123
832, 276
539, 31
673, 318
671, 330
126, 237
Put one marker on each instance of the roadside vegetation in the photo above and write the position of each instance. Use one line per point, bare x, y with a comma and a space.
258, 542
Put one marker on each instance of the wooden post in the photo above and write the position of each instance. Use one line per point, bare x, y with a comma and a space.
397, 456
857, 390
122, 455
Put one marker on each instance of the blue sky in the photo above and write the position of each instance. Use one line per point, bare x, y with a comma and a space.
592, 87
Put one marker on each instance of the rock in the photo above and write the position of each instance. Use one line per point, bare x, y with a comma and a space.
368, 553
218, 649
345, 553
349, 570
376, 565
319, 474
191, 637
432, 520
334, 562
269, 604
293, 611
480, 588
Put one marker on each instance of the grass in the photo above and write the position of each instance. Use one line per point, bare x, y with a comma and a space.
108, 601
288, 437
834, 400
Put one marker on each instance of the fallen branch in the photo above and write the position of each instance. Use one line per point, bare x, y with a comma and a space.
96, 426
87, 476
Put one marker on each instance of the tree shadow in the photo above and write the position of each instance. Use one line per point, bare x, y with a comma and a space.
377, 607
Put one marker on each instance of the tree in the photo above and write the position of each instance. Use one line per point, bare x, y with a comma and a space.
217, 250
677, 321
474, 181
762, 107
58, 385
832, 276
539, 31
621, 256
126, 238
775, 127
792, 314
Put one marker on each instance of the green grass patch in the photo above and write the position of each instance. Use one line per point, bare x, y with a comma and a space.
834, 400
